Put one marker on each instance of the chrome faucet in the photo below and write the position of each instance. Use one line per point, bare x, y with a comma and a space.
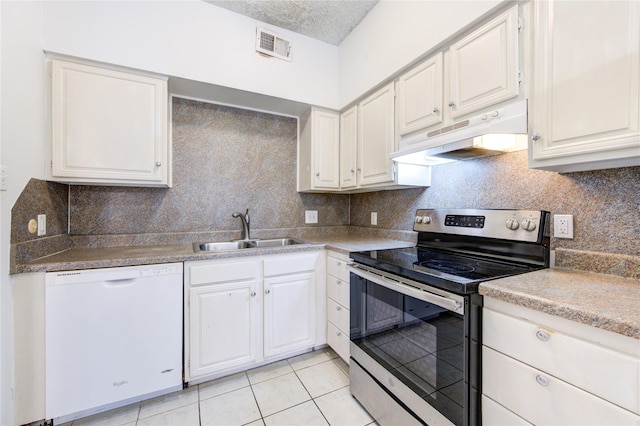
246, 233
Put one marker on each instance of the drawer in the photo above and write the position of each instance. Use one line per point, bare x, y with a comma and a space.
224, 270
604, 372
338, 341
338, 290
290, 264
542, 399
495, 414
338, 315
337, 268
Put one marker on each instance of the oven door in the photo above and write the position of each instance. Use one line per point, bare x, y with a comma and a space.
411, 350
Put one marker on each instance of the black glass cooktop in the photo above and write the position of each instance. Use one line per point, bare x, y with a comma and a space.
460, 273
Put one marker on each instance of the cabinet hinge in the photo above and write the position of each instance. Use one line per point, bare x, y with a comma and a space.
520, 23
393, 171
519, 77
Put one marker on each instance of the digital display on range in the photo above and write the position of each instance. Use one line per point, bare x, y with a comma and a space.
464, 221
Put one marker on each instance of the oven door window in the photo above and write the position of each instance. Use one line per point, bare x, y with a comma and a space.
420, 343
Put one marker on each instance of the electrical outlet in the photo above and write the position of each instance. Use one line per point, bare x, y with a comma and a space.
311, 216
563, 226
42, 225
374, 218
3, 178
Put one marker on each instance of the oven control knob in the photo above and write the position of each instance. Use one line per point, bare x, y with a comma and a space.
512, 224
528, 224
418, 219
426, 219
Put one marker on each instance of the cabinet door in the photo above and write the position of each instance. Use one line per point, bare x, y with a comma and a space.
289, 313
326, 149
376, 137
224, 327
586, 96
483, 65
419, 96
348, 147
108, 126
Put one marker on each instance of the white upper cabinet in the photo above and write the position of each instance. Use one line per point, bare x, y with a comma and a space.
586, 95
419, 96
319, 151
348, 148
376, 135
477, 72
108, 127
483, 66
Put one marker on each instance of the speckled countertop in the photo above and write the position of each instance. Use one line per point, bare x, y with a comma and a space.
107, 257
604, 301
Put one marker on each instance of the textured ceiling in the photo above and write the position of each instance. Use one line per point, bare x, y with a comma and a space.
327, 20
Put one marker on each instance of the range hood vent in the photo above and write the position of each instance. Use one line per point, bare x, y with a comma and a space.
271, 44
493, 132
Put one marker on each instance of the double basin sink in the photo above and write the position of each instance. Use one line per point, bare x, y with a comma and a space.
245, 244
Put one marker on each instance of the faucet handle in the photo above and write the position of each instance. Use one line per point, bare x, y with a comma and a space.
246, 216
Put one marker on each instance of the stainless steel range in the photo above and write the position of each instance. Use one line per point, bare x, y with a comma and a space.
416, 313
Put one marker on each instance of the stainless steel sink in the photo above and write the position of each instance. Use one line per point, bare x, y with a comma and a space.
221, 246
239, 245
278, 242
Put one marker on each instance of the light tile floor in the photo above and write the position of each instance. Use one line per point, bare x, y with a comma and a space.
310, 389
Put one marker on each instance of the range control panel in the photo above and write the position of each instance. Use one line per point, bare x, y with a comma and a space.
520, 225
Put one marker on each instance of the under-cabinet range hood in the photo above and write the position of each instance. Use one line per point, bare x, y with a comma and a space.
493, 132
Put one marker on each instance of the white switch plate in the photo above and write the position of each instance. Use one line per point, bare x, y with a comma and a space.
311, 216
374, 218
563, 226
3, 177
42, 225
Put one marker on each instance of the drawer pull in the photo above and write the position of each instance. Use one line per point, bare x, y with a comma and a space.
338, 308
542, 381
542, 335
338, 334
338, 282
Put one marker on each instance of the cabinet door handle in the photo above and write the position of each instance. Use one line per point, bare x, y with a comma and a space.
536, 137
542, 335
317, 174
267, 291
452, 104
352, 171
158, 164
436, 110
542, 381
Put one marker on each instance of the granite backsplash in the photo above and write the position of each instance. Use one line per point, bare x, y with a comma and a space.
228, 159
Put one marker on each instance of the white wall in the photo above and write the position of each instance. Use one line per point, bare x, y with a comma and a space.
396, 33
22, 141
192, 40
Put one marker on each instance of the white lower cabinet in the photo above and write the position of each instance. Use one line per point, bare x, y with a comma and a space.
289, 313
338, 314
241, 312
224, 293
547, 370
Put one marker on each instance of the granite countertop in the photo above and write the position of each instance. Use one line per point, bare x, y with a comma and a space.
605, 301
107, 257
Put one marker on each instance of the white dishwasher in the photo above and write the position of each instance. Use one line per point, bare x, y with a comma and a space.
112, 336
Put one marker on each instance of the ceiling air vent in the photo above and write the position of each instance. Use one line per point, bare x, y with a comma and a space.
273, 45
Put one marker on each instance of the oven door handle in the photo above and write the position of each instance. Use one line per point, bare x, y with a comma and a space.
443, 302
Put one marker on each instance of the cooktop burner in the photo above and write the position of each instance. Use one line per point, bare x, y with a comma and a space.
444, 266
